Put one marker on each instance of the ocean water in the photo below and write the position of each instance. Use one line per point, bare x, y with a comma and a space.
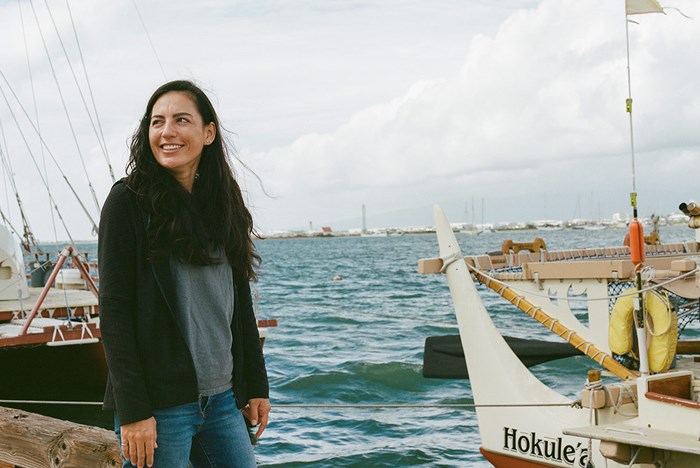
360, 341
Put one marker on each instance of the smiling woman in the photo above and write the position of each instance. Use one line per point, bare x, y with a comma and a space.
178, 136
176, 257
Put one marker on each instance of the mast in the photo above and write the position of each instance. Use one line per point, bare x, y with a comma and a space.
636, 232
472, 210
364, 219
628, 107
482, 214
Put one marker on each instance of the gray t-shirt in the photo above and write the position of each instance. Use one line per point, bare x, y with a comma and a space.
204, 313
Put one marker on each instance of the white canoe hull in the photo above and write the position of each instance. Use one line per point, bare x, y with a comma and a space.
524, 427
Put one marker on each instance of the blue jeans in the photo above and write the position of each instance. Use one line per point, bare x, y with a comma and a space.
210, 432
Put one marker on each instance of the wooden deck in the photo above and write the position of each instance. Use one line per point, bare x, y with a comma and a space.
30, 440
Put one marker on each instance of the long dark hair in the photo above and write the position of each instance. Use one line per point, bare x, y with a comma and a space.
213, 217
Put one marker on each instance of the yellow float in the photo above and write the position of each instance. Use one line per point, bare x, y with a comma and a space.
661, 324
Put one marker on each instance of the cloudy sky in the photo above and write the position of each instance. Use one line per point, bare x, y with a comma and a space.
394, 104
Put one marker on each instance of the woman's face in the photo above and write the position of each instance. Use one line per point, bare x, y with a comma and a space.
178, 135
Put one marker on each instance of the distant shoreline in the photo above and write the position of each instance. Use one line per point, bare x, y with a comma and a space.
457, 227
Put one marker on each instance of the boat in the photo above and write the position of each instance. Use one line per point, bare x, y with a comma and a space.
478, 229
645, 417
549, 225
50, 341
50, 336
639, 403
374, 233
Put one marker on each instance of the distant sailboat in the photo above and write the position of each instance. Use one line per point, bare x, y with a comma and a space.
469, 228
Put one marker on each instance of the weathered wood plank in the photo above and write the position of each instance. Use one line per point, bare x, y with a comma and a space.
679, 387
34, 441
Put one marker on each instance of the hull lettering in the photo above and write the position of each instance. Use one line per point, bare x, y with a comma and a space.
533, 445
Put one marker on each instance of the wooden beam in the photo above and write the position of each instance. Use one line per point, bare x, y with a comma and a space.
34, 441
47, 336
673, 400
688, 347
675, 386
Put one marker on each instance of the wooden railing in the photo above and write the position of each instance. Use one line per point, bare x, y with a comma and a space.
29, 440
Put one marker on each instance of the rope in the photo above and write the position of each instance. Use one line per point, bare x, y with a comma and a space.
28, 237
8, 223
329, 405
449, 260
420, 405
65, 108
597, 385
31, 154
18, 280
2, 158
148, 36
577, 299
36, 116
92, 97
625, 391
669, 311
592, 419
75, 79
575, 340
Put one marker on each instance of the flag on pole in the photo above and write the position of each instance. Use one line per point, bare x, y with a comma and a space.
638, 7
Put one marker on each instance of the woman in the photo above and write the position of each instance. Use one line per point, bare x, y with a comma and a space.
176, 256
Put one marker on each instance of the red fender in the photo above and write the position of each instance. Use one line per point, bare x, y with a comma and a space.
637, 250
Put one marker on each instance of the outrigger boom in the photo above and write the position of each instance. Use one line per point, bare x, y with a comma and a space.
556, 327
540, 428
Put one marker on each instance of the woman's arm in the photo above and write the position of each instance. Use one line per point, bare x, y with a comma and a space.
254, 371
118, 265
258, 411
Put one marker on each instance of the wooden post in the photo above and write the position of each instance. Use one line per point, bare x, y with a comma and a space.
34, 441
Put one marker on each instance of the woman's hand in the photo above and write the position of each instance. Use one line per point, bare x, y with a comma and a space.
139, 441
256, 412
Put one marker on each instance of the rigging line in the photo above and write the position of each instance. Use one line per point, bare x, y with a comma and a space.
8, 223
148, 36
77, 85
12, 284
7, 165
4, 177
417, 405
24, 139
338, 309
65, 108
331, 405
628, 108
92, 97
577, 299
28, 239
36, 113
48, 150
6, 174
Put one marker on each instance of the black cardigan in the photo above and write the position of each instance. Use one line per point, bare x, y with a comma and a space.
150, 366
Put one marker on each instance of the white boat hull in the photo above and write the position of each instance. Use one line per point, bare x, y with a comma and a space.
519, 417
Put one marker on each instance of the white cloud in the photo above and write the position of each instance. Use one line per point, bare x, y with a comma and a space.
394, 104
544, 96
